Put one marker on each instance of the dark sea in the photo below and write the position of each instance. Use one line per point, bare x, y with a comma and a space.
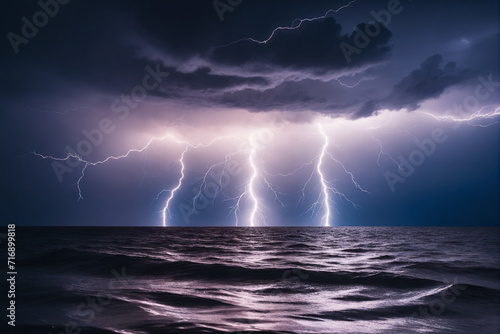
148, 280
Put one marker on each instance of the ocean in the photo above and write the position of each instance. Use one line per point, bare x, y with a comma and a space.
148, 280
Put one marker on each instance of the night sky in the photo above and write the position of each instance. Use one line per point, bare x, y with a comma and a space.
352, 113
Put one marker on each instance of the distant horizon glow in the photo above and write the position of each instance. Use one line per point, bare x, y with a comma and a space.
257, 142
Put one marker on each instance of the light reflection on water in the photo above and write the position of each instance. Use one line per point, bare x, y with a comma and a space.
290, 280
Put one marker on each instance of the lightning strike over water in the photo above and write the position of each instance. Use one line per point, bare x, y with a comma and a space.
325, 221
80, 180
220, 184
282, 166
251, 184
87, 163
250, 193
173, 191
166, 208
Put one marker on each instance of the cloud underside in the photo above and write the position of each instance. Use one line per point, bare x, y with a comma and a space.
429, 81
306, 69
310, 67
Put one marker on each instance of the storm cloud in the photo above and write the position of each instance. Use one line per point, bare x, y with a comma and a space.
429, 81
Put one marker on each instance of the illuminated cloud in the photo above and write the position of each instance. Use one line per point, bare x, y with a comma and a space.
220, 79
429, 81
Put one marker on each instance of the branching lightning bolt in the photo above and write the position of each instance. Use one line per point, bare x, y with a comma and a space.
88, 163
323, 201
165, 209
478, 115
95, 163
351, 175
292, 26
250, 188
382, 151
203, 185
258, 173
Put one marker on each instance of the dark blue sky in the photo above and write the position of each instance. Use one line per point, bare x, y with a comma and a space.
181, 113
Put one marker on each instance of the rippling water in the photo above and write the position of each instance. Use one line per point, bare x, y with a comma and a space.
265, 280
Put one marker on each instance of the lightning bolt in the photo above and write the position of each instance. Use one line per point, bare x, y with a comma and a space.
236, 208
203, 185
63, 112
478, 115
250, 192
303, 190
382, 151
355, 84
291, 27
166, 207
95, 163
88, 163
251, 184
250, 188
326, 198
220, 190
173, 191
351, 175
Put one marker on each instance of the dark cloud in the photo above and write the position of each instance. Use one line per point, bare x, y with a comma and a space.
93, 52
325, 97
315, 44
108, 56
202, 79
70, 57
481, 53
428, 81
